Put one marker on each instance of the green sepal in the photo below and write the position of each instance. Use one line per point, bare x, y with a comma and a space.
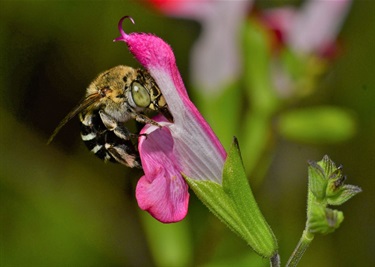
342, 194
317, 180
234, 204
236, 185
326, 182
329, 168
324, 220
214, 197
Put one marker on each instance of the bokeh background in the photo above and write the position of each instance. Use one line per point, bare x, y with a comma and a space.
61, 206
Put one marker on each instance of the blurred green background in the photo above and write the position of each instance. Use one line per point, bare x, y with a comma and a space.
61, 206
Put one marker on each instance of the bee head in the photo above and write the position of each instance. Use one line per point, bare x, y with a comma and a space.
133, 87
145, 93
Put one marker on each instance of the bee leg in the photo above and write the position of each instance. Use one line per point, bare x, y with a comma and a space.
144, 119
122, 132
125, 154
112, 125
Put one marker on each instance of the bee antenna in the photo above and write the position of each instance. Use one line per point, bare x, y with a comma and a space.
58, 128
91, 99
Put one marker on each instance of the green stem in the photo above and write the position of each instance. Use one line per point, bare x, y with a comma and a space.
275, 260
306, 237
298, 252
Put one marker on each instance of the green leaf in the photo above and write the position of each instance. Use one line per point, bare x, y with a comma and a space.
317, 125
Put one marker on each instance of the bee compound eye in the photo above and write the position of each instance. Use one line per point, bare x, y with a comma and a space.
140, 95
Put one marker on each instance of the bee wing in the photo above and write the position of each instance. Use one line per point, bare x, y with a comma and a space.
86, 102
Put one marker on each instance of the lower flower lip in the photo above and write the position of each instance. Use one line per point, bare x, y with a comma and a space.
162, 191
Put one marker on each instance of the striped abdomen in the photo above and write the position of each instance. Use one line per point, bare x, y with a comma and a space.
105, 144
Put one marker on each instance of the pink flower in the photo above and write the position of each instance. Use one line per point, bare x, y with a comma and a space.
311, 29
186, 147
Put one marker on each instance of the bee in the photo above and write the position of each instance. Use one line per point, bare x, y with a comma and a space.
116, 96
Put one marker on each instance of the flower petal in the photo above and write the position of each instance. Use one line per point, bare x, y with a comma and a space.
317, 24
215, 59
162, 191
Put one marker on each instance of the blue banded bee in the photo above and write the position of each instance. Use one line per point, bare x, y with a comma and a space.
113, 98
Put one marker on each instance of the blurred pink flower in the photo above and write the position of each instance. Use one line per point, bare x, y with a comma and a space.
187, 146
215, 59
311, 29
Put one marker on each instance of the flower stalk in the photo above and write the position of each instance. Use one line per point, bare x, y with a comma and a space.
302, 246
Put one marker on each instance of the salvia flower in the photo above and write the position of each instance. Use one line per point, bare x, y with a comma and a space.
311, 29
186, 146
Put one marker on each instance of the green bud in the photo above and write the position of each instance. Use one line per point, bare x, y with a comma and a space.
317, 180
323, 220
326, 187
336, 192
328, 166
